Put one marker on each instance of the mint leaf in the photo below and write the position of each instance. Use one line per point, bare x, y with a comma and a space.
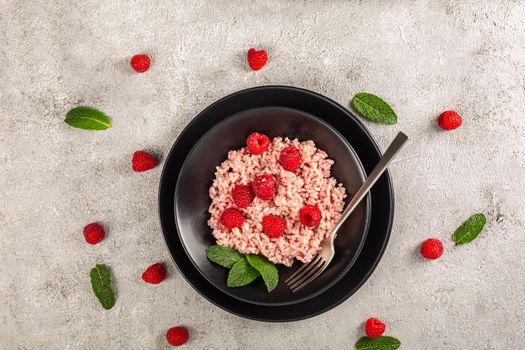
373, 108
470, 229
223, 256
381, 343
101, 283
241, 274
267, 270
87, 118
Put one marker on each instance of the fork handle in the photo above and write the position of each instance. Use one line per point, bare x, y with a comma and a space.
376, 173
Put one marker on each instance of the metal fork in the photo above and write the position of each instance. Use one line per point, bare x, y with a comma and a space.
309, 271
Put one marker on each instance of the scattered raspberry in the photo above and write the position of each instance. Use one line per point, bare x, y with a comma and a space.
257, 143
273, 226
374, 328
431, 249
257, 59
154, 274
449, 120
143, 161
242, 195
231, 218
177, 336
140, 63
310, 215
290, 158
94, 233
264, 187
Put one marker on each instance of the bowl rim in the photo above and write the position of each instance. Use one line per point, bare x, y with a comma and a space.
242, 310
344, 270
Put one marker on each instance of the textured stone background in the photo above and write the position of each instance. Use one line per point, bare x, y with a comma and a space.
422, 56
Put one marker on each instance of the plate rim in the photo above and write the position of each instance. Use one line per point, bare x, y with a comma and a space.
347, 293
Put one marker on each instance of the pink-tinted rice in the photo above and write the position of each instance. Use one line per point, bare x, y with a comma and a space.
310, 184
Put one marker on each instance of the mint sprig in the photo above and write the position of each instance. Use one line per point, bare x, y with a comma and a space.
87, 118
470, 229
101, 284
223, 256
268, 271
244, 269
381, 343
241, 274
373, 108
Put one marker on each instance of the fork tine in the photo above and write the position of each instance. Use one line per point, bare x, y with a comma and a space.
307, 275
311, 278
303, 270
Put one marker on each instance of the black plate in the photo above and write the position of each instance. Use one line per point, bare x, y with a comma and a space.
196, 176
351, 128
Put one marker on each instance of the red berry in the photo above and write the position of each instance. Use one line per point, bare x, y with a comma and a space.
374, 328
264, 187
177, 336
94, 233
431, 249
154, 274
242, 195
140, 63
257, 143
231, 218
257, 59
310, 215
273, 226
290, 158
449, 120
143, 161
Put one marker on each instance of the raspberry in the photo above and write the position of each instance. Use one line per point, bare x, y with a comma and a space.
257, 143
273, 226
143, 161
449, 120
242, 195
431, 249
264, 187
290, 158
94, 233
257, 59
154, 274
177, 336
310, 215
140, 63
374, 328
231, 218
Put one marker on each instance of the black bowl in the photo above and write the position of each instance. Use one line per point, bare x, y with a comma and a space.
351, 128
192, 199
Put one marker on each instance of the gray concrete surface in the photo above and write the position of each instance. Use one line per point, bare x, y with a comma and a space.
422, 56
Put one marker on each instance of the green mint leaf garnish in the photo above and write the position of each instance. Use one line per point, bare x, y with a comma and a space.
381, 343
470, 229
267, 270
241, 274
87, 118
223, 256
373, 108
101, 283
244, 268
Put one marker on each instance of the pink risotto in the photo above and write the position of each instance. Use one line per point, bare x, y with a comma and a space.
311, 184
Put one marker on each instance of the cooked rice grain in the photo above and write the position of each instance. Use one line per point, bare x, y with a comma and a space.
311, 184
